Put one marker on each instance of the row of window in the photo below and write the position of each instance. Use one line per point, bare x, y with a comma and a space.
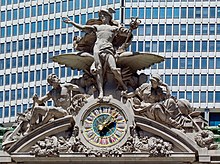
199, 96
39, 42
193, 80
172, 12
170, 0
176, 46
29, 60
177, 29
35, 75
66, 5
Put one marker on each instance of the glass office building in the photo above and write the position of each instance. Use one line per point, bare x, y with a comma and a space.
186, 33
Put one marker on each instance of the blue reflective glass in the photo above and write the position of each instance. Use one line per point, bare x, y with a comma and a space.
2, 34
57, 40
148, 13
57, 25
197, 46
14, 63
176, 12
70, 5
189, 80
39, 10
211, 29
175, 63
45, 41
27, 12
212, 12
25, 60
198, 12
168, 29
127, 13
196, 80
19, 77
57, 7
2, 16
15, 14
21, 13
8, 31
183, 12
168, 46
7, 79
205, 12
25, 90
97, 3
155, 13
20, 45
3, 2
169, 12
203, 79
51, 8
196, 63
33, 11
33, 27
1, 100
191, 12
175, 46
176, 29
211, 46
45, 9
14, 46
39, 26
162, 12
218, 12
154, 29
8, 47
51, 40
117, 14
8, 15
45, 25
7, 108
27, 28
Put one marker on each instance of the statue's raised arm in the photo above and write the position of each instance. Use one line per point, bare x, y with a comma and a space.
86, 28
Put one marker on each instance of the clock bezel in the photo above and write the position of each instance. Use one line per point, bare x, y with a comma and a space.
94, 103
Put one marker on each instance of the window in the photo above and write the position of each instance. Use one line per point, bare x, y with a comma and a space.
204, 79
212, 12
15, 14
175, 63
2, 16
182, 80
155, 13
205, 12
127, 13
51, 8
162, 13
51, 40
51, 24
8, 31
20, 29
57, 7
190, 12
7, 108
26, 44
168, 46
198, 12
38, 42
45, 9
175, 46
204, 29
196, 63
39, 10
196, 80
19, 78
14, 62
174, 80
154, 29
197, 29
57, 40
211, 63
70, 5
183, 29
203, 97
33, 11
176, 12
57, 26
169, 12
189, 80
45, 41
211, 29
27, 12
167, 79
148, 13
218, 63
197, 46
33, 27
211, 46
168, 29
183, 12
210, 80
45, 25
175, 29
12, 94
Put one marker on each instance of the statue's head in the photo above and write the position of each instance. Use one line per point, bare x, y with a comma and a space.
106, 15
53, 80
155, 80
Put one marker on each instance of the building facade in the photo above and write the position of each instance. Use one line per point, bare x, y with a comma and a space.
186, 33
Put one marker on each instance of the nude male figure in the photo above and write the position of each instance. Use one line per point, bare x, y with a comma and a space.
103, 49
61, 96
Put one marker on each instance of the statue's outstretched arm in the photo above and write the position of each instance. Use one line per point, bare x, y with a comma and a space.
86, 28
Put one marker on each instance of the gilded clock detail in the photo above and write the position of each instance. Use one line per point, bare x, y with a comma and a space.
104, 126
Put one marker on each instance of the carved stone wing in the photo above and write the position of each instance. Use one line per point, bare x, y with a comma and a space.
81, 61
136, 60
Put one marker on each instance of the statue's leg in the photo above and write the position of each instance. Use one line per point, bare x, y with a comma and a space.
116, 71
99, 75
37, 111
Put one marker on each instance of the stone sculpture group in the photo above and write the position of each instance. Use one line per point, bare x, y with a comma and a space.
110, 73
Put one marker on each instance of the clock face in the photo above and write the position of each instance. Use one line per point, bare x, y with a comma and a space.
104, 126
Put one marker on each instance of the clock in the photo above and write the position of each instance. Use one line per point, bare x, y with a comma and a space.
104, 125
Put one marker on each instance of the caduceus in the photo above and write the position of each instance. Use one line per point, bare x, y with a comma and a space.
135, 22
